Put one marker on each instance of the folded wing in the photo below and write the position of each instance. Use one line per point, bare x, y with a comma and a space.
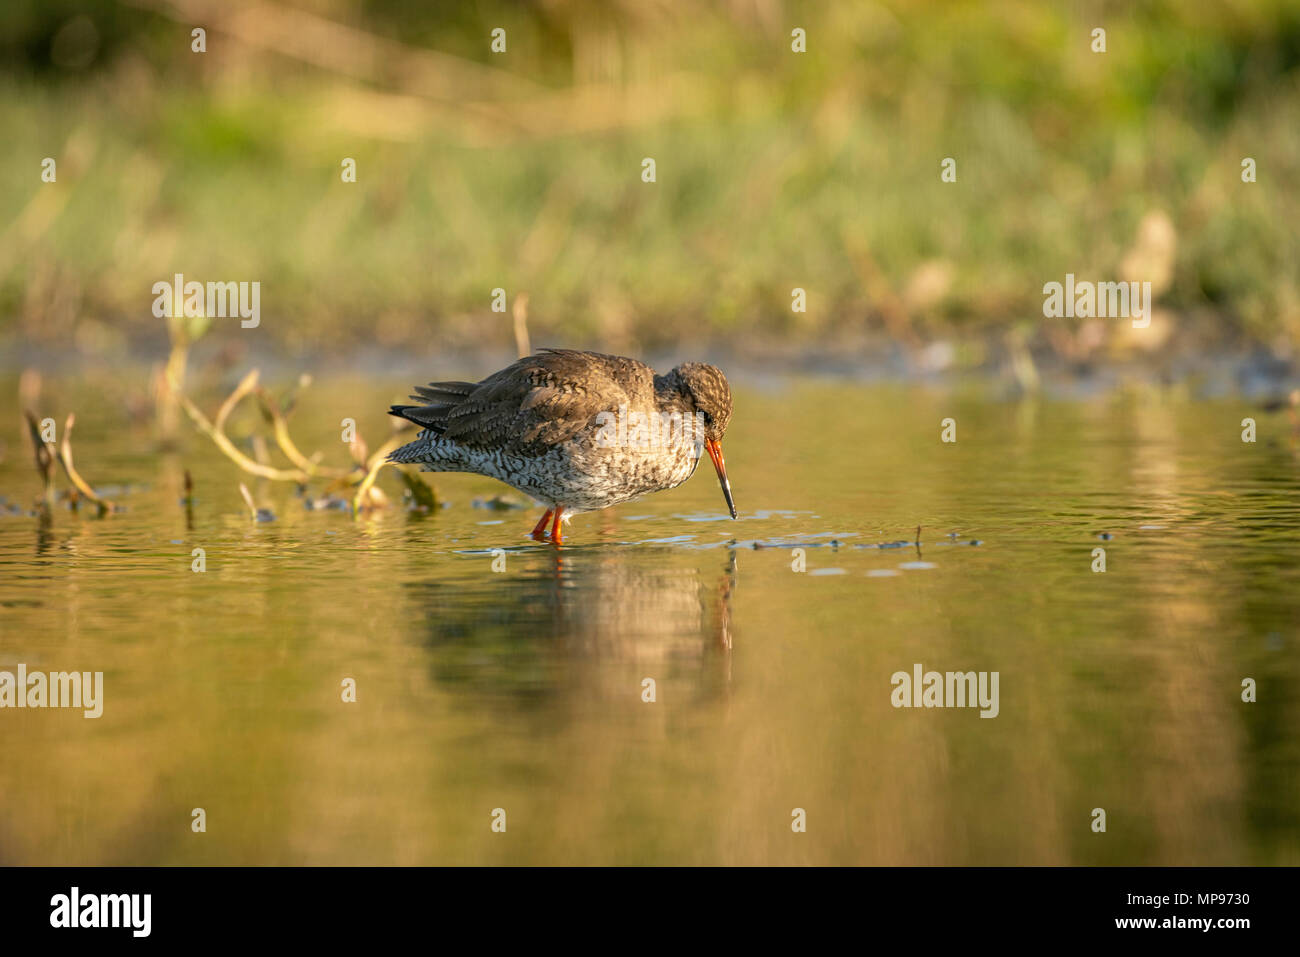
533, 404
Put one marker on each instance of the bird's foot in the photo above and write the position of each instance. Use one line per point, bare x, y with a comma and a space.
539, 530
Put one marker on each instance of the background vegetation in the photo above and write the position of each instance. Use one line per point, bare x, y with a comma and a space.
775, 170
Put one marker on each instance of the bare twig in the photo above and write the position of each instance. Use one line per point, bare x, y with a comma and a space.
374, 466
305, 468
65, 459
44, 460
248, 500
363, 474
246, 385
423, 493
291, 452
520, 313
47, 454
189, 500
364, 490
232, 453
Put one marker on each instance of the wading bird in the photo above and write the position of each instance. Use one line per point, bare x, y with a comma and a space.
577, 431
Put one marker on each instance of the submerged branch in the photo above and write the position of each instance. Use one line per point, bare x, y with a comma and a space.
47, 455
363, 474
291, 451
239, 458
44, 460
248, 500
421, 491
65, 459
365, 489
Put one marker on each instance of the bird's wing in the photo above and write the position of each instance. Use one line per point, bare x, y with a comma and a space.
534, 403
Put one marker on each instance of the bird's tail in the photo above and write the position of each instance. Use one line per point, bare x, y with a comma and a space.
437, 400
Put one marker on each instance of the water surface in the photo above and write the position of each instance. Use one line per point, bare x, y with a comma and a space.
522, 688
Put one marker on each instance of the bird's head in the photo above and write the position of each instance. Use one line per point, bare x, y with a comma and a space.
706, 388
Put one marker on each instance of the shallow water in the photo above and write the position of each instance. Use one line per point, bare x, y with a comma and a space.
522, 689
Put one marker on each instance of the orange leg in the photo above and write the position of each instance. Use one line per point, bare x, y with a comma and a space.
539, 530
556, 535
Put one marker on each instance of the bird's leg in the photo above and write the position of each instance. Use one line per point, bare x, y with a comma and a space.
556, 535
539, 530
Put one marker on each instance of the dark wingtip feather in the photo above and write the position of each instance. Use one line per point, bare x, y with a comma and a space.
407, 412
427, 417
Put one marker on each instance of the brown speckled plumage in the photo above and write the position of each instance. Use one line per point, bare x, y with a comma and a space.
538, 426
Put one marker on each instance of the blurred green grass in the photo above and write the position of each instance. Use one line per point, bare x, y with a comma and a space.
522, 171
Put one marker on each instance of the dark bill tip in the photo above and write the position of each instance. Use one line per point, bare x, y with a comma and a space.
719, 463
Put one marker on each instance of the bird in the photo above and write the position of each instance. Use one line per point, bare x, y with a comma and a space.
577, 431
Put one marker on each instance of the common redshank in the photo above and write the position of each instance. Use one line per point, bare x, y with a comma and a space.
577, 431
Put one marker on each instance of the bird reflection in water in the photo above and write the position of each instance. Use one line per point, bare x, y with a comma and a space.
591, 620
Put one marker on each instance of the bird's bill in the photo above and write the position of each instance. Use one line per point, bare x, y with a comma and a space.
714, 448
